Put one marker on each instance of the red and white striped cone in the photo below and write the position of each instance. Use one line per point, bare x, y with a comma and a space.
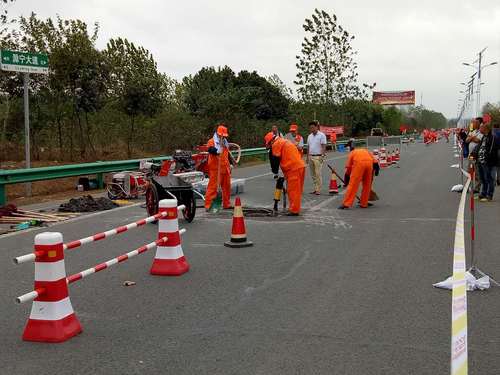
238, 232
52, 318
383, 161
169, 259
397, 154
333, 188
389, 158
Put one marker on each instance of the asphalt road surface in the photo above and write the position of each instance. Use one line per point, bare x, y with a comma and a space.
329, 292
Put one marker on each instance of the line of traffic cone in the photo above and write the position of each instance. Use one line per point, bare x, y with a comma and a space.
238, 231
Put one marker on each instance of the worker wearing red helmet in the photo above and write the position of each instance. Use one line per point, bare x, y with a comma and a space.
219, 168
294, 137
293, 167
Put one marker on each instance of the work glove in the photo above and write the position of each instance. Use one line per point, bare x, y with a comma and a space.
347, 178
212, 150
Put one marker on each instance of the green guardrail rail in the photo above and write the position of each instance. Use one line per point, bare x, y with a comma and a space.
16, 176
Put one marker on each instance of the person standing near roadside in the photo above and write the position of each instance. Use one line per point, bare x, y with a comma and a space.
473, 139
487, 160
276, 131
333, 140
316, 152
294, 137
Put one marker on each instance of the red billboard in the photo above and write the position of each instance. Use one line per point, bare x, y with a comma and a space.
328, 129
394, 97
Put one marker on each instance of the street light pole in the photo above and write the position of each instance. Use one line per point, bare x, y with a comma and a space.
479, 67
26, 80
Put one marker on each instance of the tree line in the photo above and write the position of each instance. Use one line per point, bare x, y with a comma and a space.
110, 103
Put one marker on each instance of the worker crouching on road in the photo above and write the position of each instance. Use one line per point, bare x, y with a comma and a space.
219, 168
360, 167
293, 167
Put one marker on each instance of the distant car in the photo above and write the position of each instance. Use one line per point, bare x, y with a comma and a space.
377, 132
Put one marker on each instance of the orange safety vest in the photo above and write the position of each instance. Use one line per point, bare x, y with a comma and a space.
213, 160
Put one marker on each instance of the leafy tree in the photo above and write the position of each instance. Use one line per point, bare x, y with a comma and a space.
137, 88
221, 95
276, 81
326, 66
392, 119
494, 112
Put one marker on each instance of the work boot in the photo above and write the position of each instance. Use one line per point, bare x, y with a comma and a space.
343, 207
292, 213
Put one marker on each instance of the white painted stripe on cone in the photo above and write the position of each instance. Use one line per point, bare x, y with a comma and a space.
48, 238
51, 310
52, 271
168, 226
167, 203
171, 252
238, 211
238, 235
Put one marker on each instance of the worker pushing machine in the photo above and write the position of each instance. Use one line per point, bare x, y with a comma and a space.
219, 168
360, 167
293, 167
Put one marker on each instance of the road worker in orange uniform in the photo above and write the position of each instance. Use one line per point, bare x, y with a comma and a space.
218, 149
360, 166
293, 167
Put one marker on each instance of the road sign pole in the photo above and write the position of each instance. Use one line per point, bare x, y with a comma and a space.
27, 129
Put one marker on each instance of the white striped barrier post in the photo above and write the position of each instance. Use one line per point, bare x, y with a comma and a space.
99, 236
52, 318
169, 258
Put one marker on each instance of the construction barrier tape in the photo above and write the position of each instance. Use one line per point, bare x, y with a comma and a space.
459, 356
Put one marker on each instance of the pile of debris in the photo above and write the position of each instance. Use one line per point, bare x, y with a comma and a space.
87, 204
18, 219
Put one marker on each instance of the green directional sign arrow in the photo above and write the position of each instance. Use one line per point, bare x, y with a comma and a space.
24, 62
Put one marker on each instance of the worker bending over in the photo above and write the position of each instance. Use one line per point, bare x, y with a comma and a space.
293, 167
219, 168
360, 167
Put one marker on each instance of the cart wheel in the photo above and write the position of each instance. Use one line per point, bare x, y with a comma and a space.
152, 200
190, 210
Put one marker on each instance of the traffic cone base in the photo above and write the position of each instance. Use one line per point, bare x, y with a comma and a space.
52, 330
238, 244
170, 267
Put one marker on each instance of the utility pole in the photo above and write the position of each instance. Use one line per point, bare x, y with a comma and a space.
26, 80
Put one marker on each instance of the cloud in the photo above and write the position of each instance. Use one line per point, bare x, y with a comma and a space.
402, 45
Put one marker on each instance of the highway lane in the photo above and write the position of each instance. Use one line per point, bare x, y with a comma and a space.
343, 292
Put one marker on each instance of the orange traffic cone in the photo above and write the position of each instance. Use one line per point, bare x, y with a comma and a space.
333, 189
238, 232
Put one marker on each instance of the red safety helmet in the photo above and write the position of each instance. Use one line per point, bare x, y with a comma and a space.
222, 131
294, 127
269, 138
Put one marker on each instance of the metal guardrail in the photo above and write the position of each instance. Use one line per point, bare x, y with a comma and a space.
16, 176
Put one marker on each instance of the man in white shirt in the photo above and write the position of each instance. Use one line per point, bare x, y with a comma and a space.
316, 151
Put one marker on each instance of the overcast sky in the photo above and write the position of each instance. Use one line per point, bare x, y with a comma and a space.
402, 45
